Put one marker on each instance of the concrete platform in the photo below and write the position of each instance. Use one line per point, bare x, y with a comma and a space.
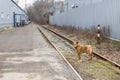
37, 62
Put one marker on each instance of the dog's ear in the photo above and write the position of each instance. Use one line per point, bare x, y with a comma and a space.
77, 42
73, 43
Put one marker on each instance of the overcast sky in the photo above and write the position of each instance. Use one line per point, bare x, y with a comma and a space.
29, 2
22, 2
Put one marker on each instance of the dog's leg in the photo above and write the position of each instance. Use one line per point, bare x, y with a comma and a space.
79, 57
90, 55
89, 51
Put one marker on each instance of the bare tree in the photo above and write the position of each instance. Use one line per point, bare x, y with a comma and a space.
41, 10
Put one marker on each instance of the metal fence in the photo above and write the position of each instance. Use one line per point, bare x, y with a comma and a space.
106, 13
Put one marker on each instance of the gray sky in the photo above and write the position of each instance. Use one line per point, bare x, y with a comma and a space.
29, 2
22, 2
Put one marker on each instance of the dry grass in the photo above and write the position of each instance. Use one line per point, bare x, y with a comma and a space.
90, 36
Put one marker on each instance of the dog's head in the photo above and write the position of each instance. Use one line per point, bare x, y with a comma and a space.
75, 44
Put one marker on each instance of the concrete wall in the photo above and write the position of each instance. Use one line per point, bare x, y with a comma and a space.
104, 12
7, 7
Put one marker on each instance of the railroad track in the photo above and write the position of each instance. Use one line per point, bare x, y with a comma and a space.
95, 53
80, 78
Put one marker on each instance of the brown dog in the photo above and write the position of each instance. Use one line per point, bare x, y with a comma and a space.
83, 49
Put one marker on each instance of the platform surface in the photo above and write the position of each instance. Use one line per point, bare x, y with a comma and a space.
26, 55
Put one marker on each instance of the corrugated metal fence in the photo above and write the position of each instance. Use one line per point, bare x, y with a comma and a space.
106, 13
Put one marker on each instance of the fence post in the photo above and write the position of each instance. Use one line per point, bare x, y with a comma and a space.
98, 34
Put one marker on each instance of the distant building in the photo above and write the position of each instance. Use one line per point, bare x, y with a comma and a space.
11, 14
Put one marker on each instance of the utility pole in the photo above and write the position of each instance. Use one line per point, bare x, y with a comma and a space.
26, 5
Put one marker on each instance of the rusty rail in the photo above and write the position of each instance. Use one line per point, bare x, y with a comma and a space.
95, 53
70, 41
